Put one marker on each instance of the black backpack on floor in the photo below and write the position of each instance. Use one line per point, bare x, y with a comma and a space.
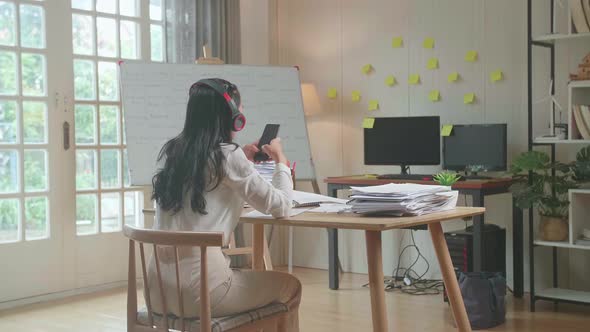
484, 296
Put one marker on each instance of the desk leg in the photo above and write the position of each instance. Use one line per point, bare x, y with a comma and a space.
449, 277
376, 287
478, 234
333, 258
258, 247
517, 250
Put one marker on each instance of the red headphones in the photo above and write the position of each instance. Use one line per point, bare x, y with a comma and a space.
238, 119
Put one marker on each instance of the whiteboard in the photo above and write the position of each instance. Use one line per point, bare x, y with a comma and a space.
155, 97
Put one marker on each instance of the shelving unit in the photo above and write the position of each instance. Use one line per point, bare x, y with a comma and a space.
578, 93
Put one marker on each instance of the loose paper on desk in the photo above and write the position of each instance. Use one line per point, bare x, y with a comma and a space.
432, 63
471, 56
434, 95
373, 105
332, 93
397, 42
302, 197
258, 214
390, 80
453, 77
368, 123
469, 98
355, 95
414, 79
496, 76
428, 42
446, 130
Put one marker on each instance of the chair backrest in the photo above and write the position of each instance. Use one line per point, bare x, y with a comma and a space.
175, 239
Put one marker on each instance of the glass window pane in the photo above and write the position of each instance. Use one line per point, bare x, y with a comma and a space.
35, 170
85, 119
109, 169
107, 6
133, 205
128, 7
9, 220
157, 42
83, 34
8, 74
106, 35
109, 125
32, 26
8, 122
33, 71
85, 169
110, 211
84, 86
82, 4
7, 23
156, 10
34, 122
36, 218
86, 214
108, 84
8, 171
125, 169
129, 40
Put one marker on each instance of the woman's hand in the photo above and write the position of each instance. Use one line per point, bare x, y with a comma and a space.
250, 150
275, 151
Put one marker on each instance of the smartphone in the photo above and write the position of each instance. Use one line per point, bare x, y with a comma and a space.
270, 132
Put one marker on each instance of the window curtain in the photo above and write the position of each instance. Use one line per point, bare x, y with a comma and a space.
190, 24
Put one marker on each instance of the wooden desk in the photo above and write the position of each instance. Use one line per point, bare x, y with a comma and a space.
477, 189
373, 226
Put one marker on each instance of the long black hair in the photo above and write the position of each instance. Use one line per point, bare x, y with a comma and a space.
193, 159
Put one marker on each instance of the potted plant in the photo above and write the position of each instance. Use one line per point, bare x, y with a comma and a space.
581, 167
446, 178
544, 191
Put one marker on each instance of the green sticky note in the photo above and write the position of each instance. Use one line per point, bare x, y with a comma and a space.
453, 77
368, 123
434, 95
446, 130
468, 98
428, 43
414, 79
366, 69
471, 56
355, 95
390, 80
332, 93
496, 76
397, 42
432, 63
373, 105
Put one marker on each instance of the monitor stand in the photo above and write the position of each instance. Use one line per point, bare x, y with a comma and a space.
405, 169
475, 176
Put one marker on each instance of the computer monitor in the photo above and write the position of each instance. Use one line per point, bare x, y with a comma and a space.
477, 147
403, 141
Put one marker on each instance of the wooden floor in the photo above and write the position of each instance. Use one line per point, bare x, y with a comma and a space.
321, 310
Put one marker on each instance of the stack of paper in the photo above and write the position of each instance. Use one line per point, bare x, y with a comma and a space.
266, 169
402, 199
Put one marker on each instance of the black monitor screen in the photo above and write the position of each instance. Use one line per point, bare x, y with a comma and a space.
403, 141
476, 147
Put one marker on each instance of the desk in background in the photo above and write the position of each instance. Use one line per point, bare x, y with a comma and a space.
477, 189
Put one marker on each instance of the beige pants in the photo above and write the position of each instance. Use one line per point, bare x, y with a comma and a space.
249, 290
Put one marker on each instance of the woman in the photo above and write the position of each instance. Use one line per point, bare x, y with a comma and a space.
202, 187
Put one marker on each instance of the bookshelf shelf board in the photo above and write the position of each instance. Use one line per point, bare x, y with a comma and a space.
552, 38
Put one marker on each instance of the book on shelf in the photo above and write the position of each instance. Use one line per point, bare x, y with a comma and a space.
581, 121
582, 241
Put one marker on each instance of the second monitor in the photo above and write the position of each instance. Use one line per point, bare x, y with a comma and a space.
403, 141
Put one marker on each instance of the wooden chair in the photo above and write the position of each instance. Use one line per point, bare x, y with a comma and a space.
272, 318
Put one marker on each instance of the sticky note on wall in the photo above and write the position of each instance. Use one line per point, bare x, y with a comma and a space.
428, 42
355, 95
432, 63
368, 123
453, 77
390, 80
446, 130
332, 93
397, 42
414, 79
496, 75
468, 98
373, 105
471, 56
366, 69
434, 95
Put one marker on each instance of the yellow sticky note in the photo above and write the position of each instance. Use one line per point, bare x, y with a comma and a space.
471, 56
453, 77
332, 93
446, 130
355, 96
414, 79
469, 98
397, 42
390, 80
428, 42
368, 123
496, 76
373, 105
432, 63
434, 95
367, 68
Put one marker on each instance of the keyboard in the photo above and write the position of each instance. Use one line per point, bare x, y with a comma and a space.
416, 177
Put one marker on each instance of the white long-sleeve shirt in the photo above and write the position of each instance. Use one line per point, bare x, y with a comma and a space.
224, 206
